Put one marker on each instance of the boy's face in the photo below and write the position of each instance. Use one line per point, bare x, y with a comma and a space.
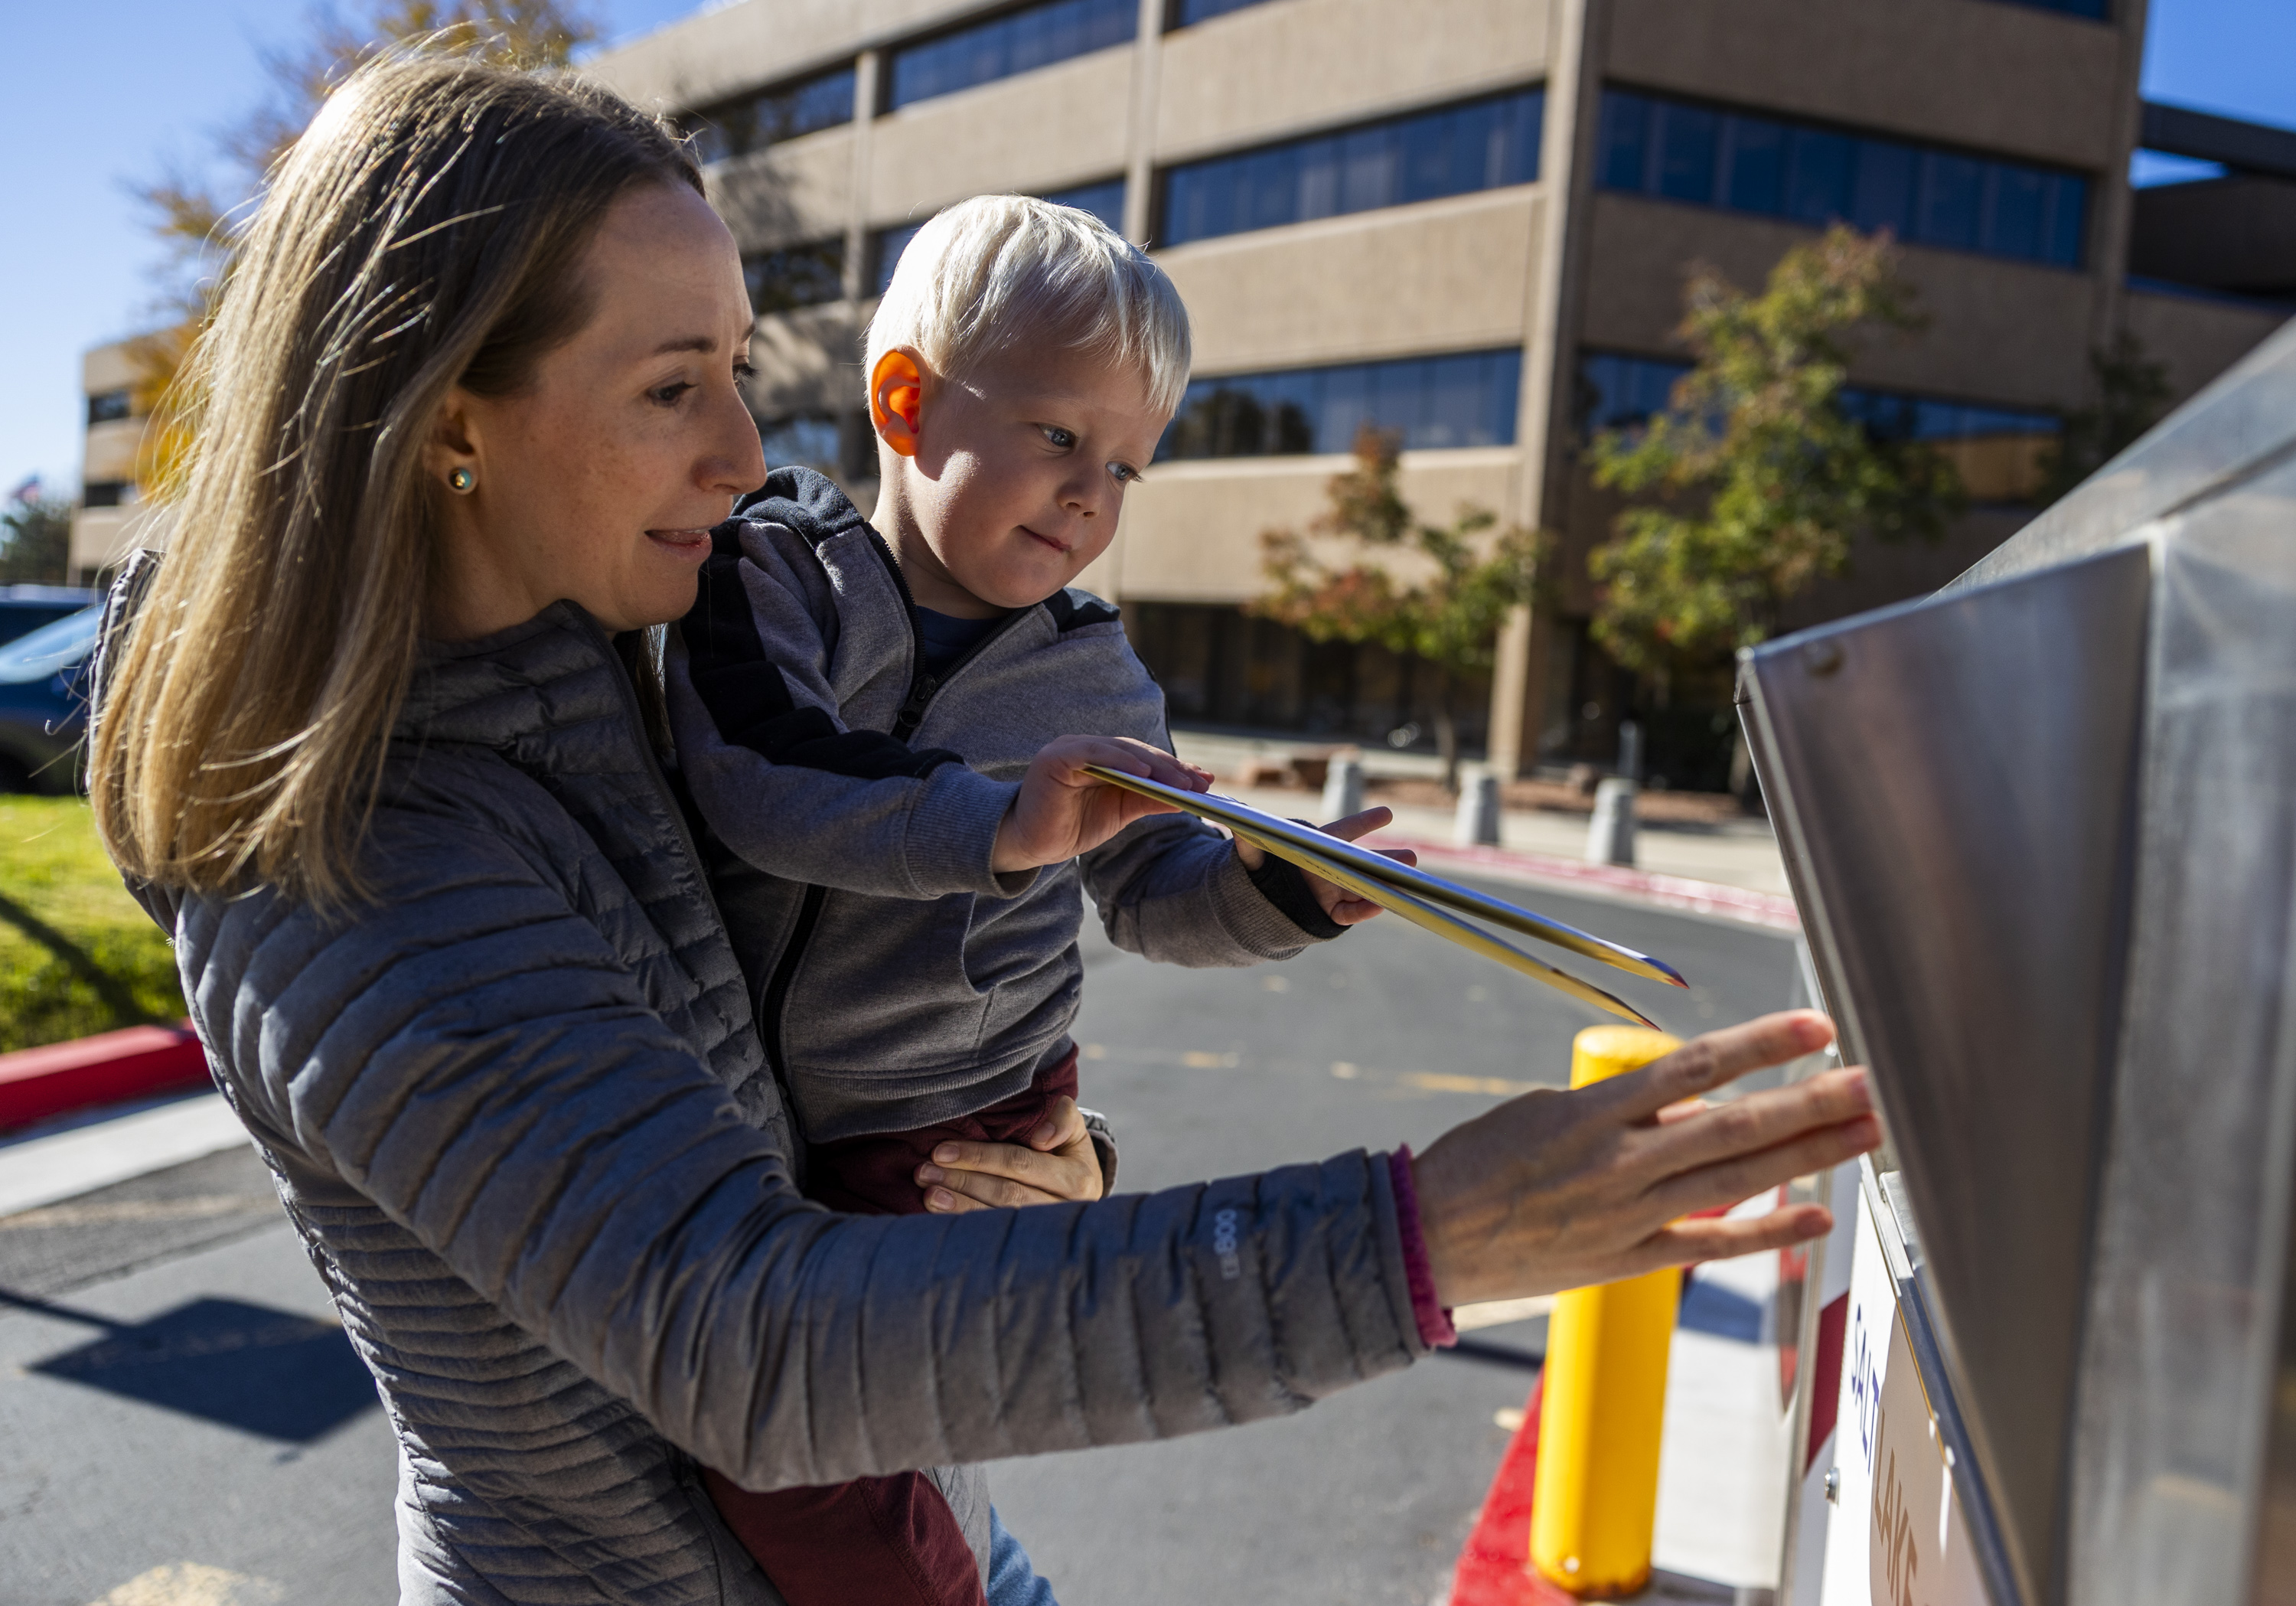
1016, 476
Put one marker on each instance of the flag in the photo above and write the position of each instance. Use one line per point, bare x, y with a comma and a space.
28, 494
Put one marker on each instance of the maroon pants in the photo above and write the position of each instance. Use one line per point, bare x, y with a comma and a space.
878, 1541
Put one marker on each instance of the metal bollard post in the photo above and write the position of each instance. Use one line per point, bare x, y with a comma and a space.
1610, 833
1477, 823
1343, 787
1595, 1497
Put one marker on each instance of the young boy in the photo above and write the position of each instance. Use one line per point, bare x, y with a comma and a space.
872, 725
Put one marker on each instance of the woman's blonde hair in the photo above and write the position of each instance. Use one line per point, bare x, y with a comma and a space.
999, 271
427, 230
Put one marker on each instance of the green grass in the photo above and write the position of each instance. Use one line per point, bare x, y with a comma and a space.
77, 953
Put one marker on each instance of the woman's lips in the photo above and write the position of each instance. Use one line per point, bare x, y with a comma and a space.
683, 541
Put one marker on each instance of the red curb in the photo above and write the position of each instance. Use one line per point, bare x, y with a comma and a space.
1773, 909
111, 1068
1494, 1563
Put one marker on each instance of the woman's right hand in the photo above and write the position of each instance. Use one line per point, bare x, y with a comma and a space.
1562, 1189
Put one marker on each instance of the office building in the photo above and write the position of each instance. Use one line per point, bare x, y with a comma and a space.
1469, 221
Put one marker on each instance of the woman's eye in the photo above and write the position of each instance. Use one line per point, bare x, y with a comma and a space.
668, 395
1054, 433
743, 373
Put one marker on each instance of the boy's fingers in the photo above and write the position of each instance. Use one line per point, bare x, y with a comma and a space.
1359, 825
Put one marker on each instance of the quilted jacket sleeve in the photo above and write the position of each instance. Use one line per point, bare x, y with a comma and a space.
780, 778
473, 1057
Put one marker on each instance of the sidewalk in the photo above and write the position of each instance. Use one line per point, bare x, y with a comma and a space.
1739, 851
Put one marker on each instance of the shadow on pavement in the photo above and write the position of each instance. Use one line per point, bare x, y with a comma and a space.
262, 1371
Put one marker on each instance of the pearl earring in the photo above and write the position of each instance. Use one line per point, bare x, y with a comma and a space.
461, 481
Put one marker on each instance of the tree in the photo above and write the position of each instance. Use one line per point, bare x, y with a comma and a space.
2132, 392
36, 542
1451, 617
196, 215
1756, 482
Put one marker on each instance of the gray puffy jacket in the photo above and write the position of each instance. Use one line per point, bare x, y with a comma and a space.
518, 1111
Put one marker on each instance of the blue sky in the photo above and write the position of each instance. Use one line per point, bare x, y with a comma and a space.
103, 93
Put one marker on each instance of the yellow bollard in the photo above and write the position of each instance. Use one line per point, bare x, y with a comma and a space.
1594, 1501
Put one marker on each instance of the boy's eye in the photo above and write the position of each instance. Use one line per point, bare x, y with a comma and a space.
1126, 474
1054, 433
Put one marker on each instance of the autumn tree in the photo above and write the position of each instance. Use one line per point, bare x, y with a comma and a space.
1457, 581
1756, 482
196, 213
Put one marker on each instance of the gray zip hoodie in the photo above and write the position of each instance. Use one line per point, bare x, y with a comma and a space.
852, 803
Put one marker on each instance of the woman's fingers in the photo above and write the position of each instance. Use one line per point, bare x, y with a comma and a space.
1759, 1121
1056, 1166
1722, 1238
1718, 1058
1744, 1176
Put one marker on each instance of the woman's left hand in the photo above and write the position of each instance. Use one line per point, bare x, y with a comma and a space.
1057, 1165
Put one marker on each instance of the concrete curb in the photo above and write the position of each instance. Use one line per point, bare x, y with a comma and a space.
1773, 910
111, 1067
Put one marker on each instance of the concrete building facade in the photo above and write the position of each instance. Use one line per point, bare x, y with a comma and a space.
1466, 220
104, 523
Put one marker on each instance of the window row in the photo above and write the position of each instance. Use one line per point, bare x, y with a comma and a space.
1467, 398
1479, 146
751, 122
1618, 391
1103, 200
1020, 41
1700, 154
2097, 10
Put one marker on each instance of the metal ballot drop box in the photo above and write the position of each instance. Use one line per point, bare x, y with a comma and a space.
2042, 830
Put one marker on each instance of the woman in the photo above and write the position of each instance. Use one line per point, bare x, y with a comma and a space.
378, 743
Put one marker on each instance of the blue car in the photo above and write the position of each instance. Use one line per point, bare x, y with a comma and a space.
44, 704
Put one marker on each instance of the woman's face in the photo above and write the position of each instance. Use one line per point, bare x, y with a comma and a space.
598, 482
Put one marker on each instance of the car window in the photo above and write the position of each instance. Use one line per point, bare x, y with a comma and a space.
52, 648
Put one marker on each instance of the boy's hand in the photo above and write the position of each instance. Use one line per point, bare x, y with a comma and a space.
1340, 907
1062, 812
1058, 1163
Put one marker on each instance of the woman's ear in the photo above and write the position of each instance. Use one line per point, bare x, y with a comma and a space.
452, 447
897, 401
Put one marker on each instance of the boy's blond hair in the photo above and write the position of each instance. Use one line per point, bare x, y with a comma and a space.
989, 273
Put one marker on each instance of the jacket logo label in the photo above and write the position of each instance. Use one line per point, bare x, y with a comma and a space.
1224, 1246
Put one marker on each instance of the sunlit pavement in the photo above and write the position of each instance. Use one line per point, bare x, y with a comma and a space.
189, 1428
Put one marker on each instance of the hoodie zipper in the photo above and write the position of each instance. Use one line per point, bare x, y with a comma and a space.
923, 686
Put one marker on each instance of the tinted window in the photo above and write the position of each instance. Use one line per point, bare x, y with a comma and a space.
1483, 145
796, 276
1616, 391
1706, 156
107, 404
1104, 201
1188, 12
1466, 398
748, 123
1688, 140
103, 494
2071, 8
1016, 41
